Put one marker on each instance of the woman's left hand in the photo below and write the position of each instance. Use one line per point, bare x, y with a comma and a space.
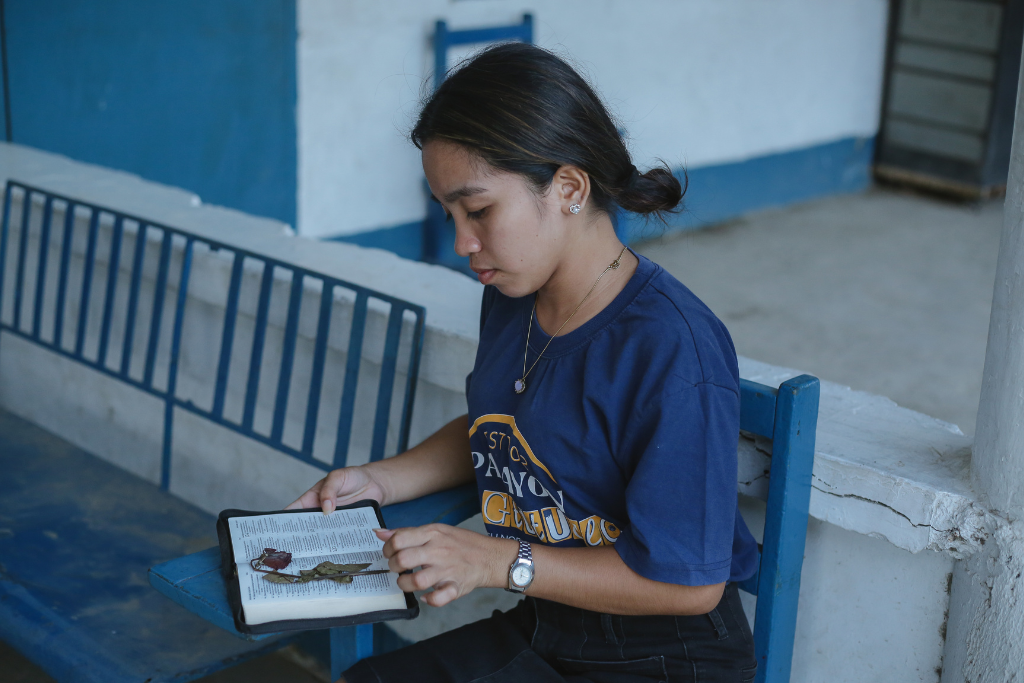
454, 561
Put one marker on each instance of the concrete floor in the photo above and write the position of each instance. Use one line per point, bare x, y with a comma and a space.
887, 292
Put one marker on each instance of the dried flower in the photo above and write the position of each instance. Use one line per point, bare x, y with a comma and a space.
278, 559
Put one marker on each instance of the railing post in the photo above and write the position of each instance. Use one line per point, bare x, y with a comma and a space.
172, 373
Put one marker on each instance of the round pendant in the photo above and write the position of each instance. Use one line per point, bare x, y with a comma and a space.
520, 386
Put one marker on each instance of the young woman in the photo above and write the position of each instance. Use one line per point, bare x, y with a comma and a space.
603, 411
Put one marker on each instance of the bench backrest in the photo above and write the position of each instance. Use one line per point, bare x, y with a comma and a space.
50, 231
788, 416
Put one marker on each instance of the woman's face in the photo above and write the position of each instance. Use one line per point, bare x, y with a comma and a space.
514, 238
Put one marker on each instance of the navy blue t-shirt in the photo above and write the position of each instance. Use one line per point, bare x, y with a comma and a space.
626, 434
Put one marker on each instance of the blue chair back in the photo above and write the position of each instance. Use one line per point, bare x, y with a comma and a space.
787, 415
57, 316
439, 235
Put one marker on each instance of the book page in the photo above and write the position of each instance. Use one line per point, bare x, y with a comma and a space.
343, 537
305, 533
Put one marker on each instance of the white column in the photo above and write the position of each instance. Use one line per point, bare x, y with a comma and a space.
985, 630
997, 467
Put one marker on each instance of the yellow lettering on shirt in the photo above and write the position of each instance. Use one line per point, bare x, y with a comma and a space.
547, 525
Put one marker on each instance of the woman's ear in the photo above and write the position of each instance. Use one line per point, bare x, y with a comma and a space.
572, 187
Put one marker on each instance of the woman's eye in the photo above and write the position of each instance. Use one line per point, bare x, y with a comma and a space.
447, 217
476, 214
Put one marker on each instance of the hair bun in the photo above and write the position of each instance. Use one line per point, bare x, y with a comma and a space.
656, 191
634, 176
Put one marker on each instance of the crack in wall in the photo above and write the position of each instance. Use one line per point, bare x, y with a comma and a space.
876, 502
968, 525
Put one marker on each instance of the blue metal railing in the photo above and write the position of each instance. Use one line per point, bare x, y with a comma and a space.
170, 276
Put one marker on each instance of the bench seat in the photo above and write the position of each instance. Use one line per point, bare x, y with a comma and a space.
77, 538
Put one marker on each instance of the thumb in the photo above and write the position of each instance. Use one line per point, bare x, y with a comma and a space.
327, 503
384, 534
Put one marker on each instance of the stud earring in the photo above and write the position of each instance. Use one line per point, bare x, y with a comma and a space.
574, 209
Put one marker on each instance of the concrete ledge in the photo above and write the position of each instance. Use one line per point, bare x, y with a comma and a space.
881, 470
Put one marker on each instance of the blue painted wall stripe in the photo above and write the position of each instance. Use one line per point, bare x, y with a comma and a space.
195, 94
406, 239
717, 193
725, 191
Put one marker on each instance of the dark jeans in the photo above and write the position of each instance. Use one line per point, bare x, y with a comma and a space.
540, 641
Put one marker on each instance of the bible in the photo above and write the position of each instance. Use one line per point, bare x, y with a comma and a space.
336, 574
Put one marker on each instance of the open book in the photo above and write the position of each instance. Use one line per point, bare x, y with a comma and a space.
345, 537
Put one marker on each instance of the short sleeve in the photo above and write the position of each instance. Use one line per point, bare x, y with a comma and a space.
486, 301
681, 496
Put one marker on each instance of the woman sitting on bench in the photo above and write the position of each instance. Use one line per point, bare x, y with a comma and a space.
603, 410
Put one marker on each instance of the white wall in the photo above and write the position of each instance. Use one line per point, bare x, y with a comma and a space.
695, 82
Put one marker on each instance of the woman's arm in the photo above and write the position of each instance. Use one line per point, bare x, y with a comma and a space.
455, 561
441, 462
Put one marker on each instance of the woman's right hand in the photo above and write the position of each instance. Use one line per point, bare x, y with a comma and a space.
340, 487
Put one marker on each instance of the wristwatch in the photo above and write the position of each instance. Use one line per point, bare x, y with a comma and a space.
520, 574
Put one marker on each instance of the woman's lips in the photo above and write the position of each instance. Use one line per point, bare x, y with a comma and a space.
485, 276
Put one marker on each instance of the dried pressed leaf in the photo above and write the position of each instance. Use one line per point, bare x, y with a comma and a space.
278, 578
342, 579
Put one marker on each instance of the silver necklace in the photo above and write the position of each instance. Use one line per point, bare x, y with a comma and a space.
520, 385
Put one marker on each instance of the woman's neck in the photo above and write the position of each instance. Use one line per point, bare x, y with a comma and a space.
586, 259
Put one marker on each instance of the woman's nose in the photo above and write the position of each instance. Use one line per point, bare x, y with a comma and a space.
466, 242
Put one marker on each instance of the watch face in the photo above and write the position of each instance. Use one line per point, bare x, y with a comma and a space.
521, 575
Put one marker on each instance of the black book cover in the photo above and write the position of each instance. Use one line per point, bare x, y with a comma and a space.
227, 564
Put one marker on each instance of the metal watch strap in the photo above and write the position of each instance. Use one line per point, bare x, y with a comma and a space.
524, 556
525, 551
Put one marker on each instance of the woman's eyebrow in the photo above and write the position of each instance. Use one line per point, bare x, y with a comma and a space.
467, 191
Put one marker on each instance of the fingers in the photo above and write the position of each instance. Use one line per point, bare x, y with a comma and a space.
409, 537
332, 486
422, 580
411, 547
336, 486
445, 589
445, 559
442, 594
410, 558
384, 534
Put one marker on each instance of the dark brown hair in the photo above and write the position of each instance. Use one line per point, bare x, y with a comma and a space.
524, 110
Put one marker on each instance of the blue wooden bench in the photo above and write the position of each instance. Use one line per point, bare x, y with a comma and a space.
787, 415
77, 534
